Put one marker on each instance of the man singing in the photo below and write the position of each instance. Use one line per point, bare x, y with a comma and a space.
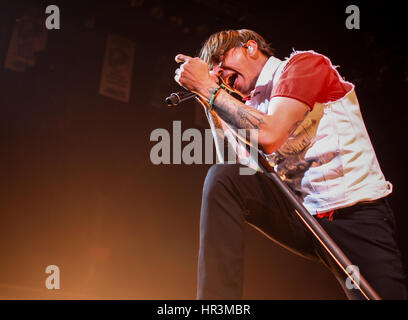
311, 131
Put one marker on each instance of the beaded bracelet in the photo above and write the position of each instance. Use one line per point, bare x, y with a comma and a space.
214, 95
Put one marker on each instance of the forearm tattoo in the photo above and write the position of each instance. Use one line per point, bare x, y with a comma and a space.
237, 114
294, 127
297, 124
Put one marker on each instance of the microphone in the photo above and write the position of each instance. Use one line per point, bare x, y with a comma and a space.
177, 97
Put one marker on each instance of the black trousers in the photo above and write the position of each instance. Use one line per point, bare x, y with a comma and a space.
365, 232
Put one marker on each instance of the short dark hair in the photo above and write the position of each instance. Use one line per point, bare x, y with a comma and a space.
219, 43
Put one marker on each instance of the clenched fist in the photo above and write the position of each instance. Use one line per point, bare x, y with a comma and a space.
194, 75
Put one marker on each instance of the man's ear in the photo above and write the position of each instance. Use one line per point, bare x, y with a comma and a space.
252, 48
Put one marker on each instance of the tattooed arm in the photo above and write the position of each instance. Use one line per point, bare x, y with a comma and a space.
273, 129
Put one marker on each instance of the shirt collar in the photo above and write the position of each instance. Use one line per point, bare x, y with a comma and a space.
270, 67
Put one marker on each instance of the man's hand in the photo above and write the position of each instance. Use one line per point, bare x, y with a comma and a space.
194, 75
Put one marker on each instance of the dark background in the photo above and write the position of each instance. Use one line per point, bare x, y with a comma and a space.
77, 188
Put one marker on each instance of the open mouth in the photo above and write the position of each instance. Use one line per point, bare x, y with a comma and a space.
231, 80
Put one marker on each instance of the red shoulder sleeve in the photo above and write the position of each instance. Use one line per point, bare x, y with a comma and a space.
310, 77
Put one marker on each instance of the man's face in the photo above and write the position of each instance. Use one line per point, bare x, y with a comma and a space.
238, 70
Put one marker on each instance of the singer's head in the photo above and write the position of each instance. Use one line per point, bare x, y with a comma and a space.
237, 56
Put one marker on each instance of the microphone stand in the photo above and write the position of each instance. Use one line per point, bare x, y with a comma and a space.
319, 233
314, 227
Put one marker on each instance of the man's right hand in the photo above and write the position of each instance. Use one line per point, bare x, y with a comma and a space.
194, 75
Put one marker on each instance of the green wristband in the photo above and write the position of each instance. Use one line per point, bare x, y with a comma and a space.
214, 95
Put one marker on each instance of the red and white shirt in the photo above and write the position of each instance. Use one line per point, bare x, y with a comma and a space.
329, 161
